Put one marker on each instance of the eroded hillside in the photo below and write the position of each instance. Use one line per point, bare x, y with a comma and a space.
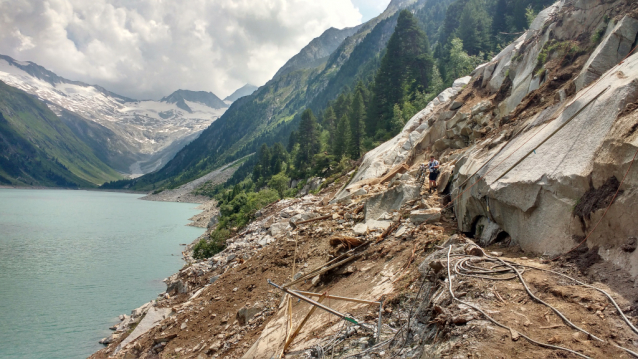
537, 150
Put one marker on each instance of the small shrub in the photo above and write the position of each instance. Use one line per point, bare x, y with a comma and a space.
597, 36
215, 244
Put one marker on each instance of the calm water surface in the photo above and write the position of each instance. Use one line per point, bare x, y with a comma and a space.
72, 261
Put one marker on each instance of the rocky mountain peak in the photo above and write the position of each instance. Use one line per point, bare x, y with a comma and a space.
245, 90
205, 98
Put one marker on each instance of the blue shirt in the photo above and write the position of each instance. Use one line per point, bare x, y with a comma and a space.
433, 164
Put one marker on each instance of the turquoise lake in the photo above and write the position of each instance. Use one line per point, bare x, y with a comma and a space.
72, 261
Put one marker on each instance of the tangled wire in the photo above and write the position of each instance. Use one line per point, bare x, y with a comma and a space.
498, 269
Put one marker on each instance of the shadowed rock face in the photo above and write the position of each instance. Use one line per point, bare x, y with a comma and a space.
616, 44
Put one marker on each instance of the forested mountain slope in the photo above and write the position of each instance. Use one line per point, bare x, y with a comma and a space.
37, 148
272, 112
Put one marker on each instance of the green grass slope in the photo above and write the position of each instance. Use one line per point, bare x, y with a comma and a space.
37, 148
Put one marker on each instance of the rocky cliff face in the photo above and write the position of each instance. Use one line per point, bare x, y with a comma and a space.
540, 137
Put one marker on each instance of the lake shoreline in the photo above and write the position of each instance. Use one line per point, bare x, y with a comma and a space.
65, 231
74, 189
204, 219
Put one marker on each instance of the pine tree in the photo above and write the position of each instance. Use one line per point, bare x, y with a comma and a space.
499, 21
397, 119
292, 140
357, 126
330, 123
264, 156
474, 28
308, 139
278, 158
436, 85
405, 68
342, 137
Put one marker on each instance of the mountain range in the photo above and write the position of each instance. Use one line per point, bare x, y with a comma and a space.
38, 148
131, 136
334, 61
188, 134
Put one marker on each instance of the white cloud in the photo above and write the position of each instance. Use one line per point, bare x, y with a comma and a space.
149, 48
370, 8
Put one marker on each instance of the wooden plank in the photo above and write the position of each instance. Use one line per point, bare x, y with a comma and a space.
303, 322
326, 268
400, 168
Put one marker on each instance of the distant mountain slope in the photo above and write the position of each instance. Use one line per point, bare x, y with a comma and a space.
205, 98
313, 54
134, 137
37, 148
270, 114
245, 90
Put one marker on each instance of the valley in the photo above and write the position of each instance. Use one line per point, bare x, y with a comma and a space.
134, 137
449, 179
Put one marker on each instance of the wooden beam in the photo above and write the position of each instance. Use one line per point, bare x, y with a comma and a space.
303, 322
295, 224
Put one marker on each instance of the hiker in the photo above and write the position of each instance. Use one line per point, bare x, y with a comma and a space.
433, 165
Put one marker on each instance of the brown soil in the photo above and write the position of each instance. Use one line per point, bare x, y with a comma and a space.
597, 198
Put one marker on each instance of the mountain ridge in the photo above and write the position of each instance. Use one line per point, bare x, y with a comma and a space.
268, 115
139, 136
204, 97
38, 148
243, 91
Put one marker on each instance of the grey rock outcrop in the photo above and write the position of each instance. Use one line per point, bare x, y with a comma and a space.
390, 200
244, 315
153, 317
534, 201
426, 216
616, 44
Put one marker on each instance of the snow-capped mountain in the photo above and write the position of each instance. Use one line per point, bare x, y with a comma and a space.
137, 136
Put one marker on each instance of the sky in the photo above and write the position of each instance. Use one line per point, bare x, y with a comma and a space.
146, 49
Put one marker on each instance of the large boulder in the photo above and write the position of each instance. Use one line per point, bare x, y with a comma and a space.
153, 317
616, 44
533, 182
278, 229
426, 216
175, 285
390, 200
375, 225
244, 315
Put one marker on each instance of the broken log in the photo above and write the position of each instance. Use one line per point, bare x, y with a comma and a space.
295, 224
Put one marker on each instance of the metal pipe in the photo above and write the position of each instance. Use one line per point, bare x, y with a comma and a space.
311, 294
321, 306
